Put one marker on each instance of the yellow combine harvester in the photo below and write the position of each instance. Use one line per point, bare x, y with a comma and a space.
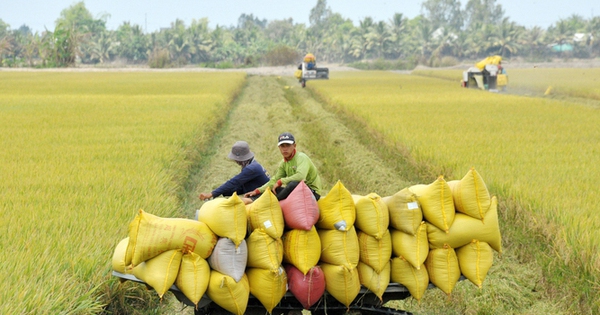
488, 74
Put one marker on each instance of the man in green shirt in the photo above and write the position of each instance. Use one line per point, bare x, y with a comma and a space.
294, 168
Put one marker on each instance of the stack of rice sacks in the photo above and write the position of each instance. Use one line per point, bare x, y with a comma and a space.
409, 242
228, 286
340, 251
167, 251
375, 242
422, 234
302, 246
464, 231
267, 277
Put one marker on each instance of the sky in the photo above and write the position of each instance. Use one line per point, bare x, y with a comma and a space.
152, 15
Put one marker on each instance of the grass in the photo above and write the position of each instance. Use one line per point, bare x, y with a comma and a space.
82, 152
541, 153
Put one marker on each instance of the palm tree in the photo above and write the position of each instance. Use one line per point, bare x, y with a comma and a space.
177, 42
364, 39
533, 39
593, 30
508, 38
423, 34
480, 40
103, 47
381, 37
200, 41
32, 46
398, 30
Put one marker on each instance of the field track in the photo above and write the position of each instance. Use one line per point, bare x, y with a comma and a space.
271, 105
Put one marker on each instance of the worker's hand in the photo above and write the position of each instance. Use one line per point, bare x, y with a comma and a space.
277, 185
205, 196
252, 193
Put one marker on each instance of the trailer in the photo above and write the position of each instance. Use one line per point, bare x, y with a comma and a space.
366, 302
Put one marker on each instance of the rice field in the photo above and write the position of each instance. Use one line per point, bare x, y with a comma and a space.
542, 152
81, 154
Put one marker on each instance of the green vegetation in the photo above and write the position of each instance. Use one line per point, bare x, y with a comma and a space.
446, 31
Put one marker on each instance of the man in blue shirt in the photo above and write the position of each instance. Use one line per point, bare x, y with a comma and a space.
252, 176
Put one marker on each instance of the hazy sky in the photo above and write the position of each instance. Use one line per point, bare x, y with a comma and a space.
151, 15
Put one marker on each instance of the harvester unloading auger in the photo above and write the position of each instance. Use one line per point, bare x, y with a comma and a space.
308, 70
488, 74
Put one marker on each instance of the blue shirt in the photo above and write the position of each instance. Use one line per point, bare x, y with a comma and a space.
250, 178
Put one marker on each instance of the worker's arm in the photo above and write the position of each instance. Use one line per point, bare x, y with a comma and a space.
235, 183
272, 182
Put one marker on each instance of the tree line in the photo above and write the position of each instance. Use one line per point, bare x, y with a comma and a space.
443, 34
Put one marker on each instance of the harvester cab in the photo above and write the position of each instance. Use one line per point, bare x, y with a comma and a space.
308, 70
488, 74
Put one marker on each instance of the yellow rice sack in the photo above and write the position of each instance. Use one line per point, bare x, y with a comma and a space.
264, 251
339, 247
377, 282
375, 252
301, 248
466, 228
265, 213
415, 280
436, 203
341, 282
337, 210
405, 212
298, 74
475, 260
227, 293
226, 217
150, 235
193, 277
118, 259
414, 248
471, 195
161, 271
229, 259
267, 286
372, 215
442, 267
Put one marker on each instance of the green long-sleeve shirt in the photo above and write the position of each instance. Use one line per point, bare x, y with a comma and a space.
299, 168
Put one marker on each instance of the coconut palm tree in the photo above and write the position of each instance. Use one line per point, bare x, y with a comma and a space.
508, 38
132, 43
533, 40
199, 40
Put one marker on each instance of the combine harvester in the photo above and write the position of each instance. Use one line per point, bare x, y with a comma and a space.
308, 70
487, 74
